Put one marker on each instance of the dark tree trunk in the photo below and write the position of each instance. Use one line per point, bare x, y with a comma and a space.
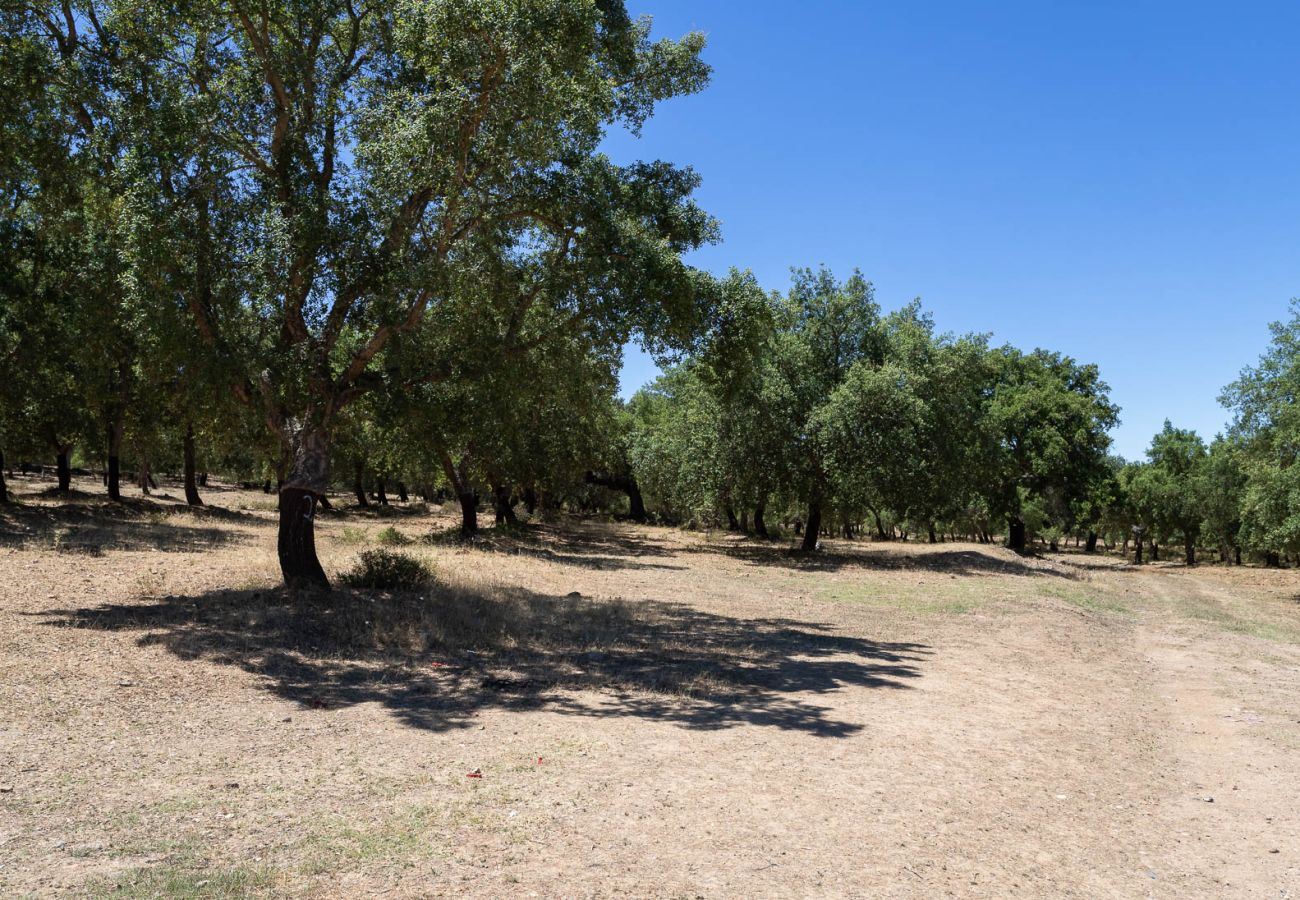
380, 494
468, 514
760, 526
1155, 552
933, 537
325, 503
1016, 534
401, 492
115, 459
798, 526
358, 486
733, 524
504, 506
1272, 560
1091, 546
203, 479
1051, 545
191, 482
299, 498
1137, 552
813, 530
4, 489
144, 478
1236, 555
266, 486
530, 499
64, 471
880, 526
1189, 549
627, 484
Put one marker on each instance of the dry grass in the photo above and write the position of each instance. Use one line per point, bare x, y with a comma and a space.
652, 712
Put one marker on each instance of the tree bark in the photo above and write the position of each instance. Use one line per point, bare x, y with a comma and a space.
1272, 559
530, 499
1189, 550
760, 526
144, 476
933, 538
1091, 545
115, 459
299, 498
64, 471
1137, 552
504, 506
814, 528
733, 524
191, 480
1155, 551
627, 484
468, 499
1236, 554
381, 495
358, 485
401, 492
1016, 534
4, 489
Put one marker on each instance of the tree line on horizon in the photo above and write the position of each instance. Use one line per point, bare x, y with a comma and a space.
366, 246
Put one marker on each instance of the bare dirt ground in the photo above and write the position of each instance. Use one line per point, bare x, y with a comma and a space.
708, 716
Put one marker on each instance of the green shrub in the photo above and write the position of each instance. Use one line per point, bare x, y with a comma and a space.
391, 537
387, 570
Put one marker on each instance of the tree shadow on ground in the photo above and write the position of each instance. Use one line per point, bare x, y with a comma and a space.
882, 556
437, 659
95, 526
578, 544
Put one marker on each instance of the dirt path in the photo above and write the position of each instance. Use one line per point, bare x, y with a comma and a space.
710, 718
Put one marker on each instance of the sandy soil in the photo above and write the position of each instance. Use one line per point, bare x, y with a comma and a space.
710, 717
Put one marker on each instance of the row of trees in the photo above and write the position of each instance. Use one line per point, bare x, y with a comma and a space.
353, 244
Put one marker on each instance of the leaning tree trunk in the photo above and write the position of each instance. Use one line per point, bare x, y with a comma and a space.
733, 524
760, 526
299, 498
191, 479
1016, 534
814, 528
627, 484
465, 494
64, 471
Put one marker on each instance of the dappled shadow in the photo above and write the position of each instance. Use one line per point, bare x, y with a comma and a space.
435, 661
99, 525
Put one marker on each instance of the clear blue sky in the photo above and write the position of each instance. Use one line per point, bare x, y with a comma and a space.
1119, 181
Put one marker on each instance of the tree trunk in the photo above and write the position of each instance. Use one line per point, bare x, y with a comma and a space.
732, 523
143, 475
401, 492
1236, 555
880, 526
299, 497
468, 514
504, 506
191, 483
1016, 534
933, 538
1137, 552
64, 471
1091, 546
115, 459
530, 499
381, 496
813, 530
1155, 551
4, 489
1272, 560
358, 485
627, 484
1189, 548
760, 526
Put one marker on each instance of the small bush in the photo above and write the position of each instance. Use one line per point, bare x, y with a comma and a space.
387, 570
391, 537
351, 535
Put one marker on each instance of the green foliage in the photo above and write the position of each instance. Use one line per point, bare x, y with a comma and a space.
389, 570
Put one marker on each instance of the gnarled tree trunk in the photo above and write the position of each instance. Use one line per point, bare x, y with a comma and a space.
299, 498
627, 484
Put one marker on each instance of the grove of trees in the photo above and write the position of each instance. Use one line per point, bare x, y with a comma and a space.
377, 246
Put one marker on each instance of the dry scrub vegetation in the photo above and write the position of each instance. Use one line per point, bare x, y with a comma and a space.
596, 709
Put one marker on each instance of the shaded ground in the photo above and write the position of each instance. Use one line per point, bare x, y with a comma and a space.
652, 713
